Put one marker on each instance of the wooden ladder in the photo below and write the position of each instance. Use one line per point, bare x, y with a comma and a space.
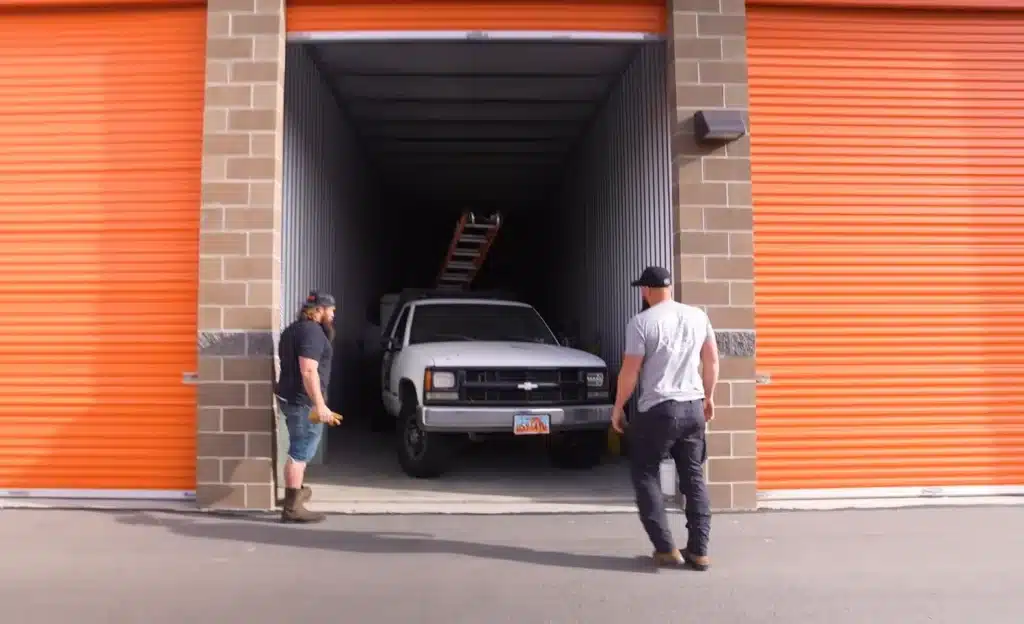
467, 251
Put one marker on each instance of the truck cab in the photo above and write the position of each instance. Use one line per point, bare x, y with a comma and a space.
457, 364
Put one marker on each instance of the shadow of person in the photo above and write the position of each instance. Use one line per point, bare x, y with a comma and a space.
267, 531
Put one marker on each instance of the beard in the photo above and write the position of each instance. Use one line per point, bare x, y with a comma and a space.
328, 327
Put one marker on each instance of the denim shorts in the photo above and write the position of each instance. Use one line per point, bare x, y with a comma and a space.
303, 434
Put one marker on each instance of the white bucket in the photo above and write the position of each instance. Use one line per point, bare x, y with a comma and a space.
669, 478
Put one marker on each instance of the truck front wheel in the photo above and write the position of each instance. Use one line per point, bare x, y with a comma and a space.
422, 454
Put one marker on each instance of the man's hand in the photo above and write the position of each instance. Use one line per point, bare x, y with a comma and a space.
709, 409
322, 414
618, 420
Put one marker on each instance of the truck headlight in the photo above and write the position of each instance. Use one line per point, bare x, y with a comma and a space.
443, 380
595, 380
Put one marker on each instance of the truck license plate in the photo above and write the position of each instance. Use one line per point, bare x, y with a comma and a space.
532, 424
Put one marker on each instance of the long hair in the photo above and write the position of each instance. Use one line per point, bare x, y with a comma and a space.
306, 314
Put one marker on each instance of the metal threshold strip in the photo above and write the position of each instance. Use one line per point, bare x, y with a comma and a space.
840, 494
93, 494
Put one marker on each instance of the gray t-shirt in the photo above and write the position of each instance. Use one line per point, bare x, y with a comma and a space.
669, 336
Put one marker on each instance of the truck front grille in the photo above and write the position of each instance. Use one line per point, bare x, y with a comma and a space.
505, 386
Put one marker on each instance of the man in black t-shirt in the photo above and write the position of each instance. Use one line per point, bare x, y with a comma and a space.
306, 352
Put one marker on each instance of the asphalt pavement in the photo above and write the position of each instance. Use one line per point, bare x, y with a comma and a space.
880, 566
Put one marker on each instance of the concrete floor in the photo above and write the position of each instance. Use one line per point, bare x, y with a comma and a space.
362, 474
842, 567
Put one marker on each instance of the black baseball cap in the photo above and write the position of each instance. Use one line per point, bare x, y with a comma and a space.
654, 277
317, 299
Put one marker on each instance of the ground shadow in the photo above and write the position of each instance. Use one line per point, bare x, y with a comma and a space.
261, 529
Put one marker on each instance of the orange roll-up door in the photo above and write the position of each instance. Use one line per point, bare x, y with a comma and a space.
888, 177
636, 16
101, 123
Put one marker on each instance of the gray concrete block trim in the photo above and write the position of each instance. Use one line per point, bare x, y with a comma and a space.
223, 343
736, 343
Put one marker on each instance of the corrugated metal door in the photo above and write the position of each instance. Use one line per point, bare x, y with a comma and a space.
101, 123
615, 212
646, 16
888, 174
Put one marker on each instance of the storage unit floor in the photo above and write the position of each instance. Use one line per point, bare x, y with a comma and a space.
362, 476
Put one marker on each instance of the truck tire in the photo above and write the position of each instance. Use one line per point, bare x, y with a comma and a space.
578, 450
422, 454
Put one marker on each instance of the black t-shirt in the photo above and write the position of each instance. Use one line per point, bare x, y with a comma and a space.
306, 339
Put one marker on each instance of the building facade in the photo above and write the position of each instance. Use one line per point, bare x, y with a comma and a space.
885, 171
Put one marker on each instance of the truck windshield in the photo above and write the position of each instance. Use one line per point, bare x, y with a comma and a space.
448, 322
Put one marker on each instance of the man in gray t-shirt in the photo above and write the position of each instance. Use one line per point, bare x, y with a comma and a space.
671, 352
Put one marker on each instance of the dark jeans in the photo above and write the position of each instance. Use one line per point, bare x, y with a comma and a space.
677, 429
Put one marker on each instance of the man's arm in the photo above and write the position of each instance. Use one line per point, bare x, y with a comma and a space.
311, 382
310, 351
709, 363
632, 361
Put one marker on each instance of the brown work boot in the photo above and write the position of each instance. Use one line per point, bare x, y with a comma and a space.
295, 511
305, 493
671, 559
695, 562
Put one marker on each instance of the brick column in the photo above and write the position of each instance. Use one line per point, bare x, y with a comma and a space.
240, 267
714, 237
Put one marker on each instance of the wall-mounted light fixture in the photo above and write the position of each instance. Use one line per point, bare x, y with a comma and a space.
718, 126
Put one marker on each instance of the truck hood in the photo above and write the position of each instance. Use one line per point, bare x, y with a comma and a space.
501, 354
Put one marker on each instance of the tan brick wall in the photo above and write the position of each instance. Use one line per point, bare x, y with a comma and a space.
239, 311
239, 249
714, 238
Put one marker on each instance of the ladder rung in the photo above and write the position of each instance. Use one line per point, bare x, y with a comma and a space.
453, 277
467, 253
472, 238
465, 266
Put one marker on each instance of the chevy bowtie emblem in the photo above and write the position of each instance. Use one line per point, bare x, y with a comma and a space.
527, 385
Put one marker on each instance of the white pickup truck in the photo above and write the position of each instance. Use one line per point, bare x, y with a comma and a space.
456, 365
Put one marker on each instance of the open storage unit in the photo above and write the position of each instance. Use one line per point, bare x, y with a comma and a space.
388, 141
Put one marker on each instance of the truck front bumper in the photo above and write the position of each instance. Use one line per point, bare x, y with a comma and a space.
500, 419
